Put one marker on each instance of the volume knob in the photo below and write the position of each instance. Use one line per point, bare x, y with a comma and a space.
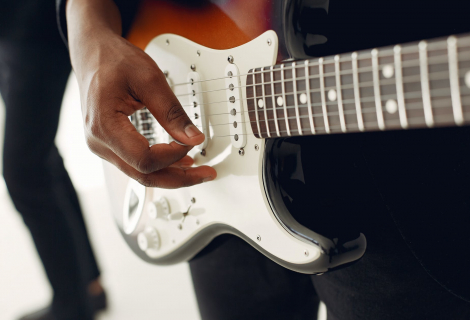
148, 239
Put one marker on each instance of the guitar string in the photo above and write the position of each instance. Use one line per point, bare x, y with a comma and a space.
331, 74
462, 42
364, 85
405, 64
413, 94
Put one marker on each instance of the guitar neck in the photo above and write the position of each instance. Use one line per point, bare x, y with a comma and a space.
415, 85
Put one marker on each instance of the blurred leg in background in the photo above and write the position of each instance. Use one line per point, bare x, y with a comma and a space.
34, 68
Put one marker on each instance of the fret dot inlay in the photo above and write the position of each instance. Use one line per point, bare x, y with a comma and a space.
303, 98
280, 101
387, 71
332, 95
260, 103
467, 79
391, 106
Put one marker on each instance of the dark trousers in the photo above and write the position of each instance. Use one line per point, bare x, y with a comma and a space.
406, 191
33, 76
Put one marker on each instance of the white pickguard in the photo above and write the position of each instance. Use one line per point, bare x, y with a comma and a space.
236, 198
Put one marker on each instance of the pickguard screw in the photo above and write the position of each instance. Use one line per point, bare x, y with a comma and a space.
230, 74
203, 152
230, 59
166, 73
231, 86
180, 226
306, 253
167, 42
193, 67
256, 147
193, 200
198, 53
197, 222
269, 42
241, 152
258, 237
235, 137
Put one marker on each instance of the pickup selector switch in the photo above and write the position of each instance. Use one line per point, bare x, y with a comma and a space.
149, 239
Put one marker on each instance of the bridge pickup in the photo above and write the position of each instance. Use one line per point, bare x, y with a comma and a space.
235, 106
196, 109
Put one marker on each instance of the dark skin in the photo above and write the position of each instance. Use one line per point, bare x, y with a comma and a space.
116, 79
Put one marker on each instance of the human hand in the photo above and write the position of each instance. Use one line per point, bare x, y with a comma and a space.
116, 79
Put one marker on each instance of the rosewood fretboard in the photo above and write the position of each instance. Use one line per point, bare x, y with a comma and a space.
414, 85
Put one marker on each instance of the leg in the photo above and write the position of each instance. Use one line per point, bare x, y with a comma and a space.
234, 281
33, 79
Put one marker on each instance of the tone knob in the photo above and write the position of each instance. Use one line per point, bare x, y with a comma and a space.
159, 208
148, 239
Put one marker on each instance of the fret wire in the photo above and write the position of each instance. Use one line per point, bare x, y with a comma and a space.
276, 124
284, 100
454, 80
339, 95
256, 107
299, 127
378, 102
423, 60
322, 93
357, 99
399, 86
309, 102
265, 106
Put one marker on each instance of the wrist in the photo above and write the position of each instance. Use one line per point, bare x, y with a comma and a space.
91, 24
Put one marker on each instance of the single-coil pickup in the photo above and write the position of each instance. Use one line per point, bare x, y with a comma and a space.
147, 125
235, 107
195, 110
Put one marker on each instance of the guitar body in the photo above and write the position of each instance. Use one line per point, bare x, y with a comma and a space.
253, 195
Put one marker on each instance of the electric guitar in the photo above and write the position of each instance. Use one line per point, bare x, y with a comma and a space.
227, 66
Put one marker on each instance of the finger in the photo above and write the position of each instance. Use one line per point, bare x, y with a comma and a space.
133, 148
160, 100
168, 178
185, 162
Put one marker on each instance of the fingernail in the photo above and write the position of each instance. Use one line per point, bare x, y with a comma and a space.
191, 131
206, 179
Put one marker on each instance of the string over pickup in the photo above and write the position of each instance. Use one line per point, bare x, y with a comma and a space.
196, 109
235, 107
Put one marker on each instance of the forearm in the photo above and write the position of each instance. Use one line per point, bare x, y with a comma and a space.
89, 24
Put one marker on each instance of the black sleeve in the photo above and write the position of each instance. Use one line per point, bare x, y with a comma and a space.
128, 9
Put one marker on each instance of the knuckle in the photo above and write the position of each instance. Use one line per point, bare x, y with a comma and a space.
175, 113
146, 165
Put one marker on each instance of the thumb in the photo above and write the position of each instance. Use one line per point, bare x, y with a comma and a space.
160, 100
